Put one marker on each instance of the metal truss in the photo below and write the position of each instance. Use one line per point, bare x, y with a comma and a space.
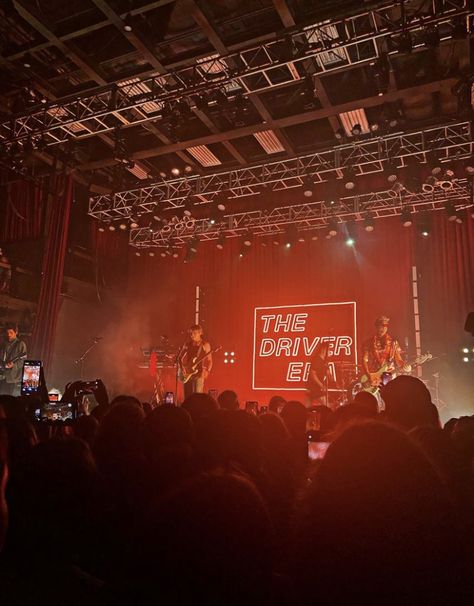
332, 45
446, 143
311, 216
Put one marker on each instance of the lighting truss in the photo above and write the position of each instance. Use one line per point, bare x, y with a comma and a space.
332, 45
449, 142
313, 216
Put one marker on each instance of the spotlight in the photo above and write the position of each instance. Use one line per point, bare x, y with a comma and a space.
332, 228
451, 212
133, 224
127, 23
26, 60
163, 254
111, 227
193, 245
391, 171
445, 181
405, 217
247, 240
340, 134
123, 226
220, 242
101, 228
175, 171
188, 206
314, 237
221, 202
291, 235
396, 189
302, 238
350, 233
276, 240
429, 184
356, 130
369, 224
350, 182
138, 253
188, 169
151, 254
308, 186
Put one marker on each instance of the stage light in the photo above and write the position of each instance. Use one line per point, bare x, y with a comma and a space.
247, 239
175, 171
151, 254
127, 23
465, 359
451, 212
369, 224
220, 201
276, 240
111, 227
356, 130
350, 182
302, 238
445, 180
332, 228
429, 184
340, 134
308, 186
229, 357
193, 245
391, 171
101, 228
396, 189
406, 218
465, 350
291, 235
220, 242
314, 237
188, 206
26, 60
138, 253
123, 226
350, 233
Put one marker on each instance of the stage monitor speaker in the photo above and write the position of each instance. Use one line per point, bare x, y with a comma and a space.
469, 325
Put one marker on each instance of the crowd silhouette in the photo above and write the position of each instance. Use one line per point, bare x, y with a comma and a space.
208, 503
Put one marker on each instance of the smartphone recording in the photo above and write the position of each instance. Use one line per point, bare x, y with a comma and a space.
57, 412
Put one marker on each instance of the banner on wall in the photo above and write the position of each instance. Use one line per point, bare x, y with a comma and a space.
286, 337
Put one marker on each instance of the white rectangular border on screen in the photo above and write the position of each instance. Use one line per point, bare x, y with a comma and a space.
286, 307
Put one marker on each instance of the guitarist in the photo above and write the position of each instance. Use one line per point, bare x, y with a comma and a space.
193, 349
12, 354
379, 350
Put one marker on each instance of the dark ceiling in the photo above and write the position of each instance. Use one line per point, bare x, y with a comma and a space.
52, 49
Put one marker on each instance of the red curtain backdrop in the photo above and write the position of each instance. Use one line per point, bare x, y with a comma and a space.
55, 247
445, 262
376, 273
21, 209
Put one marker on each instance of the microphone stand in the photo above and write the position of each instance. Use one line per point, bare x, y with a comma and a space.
82, 358
178, 357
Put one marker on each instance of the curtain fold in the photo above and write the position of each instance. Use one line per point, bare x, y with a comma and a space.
54, 254
21, 209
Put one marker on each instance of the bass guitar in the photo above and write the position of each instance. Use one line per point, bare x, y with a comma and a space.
372, 384
192, 368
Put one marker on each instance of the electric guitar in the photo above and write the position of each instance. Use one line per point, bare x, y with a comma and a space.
373, 384
3, 365
190, 370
